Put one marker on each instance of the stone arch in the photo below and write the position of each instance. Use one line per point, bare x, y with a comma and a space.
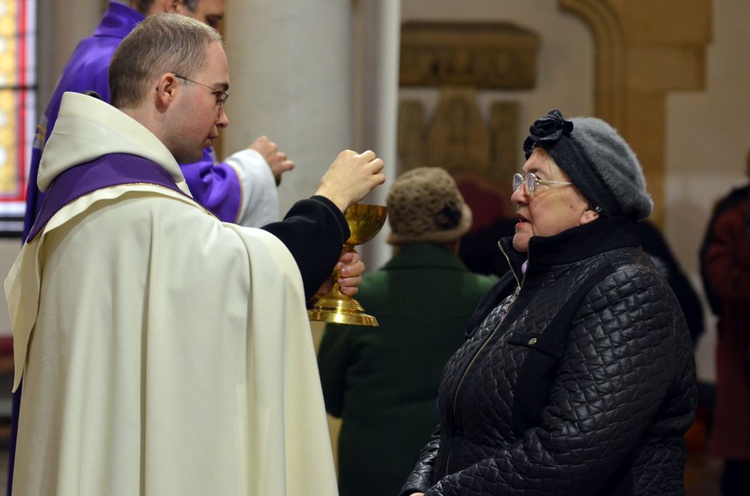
639, 60
609, 43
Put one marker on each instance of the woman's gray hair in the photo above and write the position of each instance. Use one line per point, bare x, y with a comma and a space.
161, 43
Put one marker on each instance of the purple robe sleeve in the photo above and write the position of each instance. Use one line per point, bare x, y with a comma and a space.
215, 186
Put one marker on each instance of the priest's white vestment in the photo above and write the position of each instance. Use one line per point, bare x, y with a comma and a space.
162, 351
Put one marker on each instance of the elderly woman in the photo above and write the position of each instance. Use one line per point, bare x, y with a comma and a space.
577, 375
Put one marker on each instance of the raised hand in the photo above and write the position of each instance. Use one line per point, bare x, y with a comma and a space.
351, 177
276, 160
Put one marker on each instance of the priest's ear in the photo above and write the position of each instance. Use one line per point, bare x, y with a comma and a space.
166, 88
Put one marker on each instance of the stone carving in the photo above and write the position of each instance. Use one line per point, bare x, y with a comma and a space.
411, 132
461, 59
478, 55
458, 137
481, 156
505, 143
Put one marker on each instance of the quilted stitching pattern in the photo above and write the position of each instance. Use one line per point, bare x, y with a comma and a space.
627, 374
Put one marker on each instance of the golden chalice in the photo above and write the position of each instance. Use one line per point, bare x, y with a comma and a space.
335, 307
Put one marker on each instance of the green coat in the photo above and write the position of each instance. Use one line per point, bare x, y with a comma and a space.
383, 381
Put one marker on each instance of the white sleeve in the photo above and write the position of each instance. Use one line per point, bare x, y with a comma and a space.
260, 199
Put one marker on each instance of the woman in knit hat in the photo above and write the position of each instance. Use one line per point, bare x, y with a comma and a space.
577, 375
382, 381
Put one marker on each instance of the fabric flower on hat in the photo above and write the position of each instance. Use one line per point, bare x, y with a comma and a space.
549, 128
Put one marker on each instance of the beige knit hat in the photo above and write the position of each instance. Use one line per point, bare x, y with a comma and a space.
424, 205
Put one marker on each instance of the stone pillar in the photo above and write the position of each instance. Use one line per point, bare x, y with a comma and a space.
291, 79
377, 30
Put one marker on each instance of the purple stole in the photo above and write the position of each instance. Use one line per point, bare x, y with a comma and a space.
110, 170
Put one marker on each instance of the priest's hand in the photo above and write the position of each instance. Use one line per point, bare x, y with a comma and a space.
351, 177
351, 268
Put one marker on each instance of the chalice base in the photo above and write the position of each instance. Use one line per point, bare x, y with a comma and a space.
338, 308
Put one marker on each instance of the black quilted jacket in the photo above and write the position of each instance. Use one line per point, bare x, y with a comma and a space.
585, 388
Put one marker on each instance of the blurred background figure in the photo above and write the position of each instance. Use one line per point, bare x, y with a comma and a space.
480, 250
725, 270
657, 248
383, 381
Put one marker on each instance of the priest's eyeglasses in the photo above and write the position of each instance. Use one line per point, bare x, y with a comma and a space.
221, 96
531, 181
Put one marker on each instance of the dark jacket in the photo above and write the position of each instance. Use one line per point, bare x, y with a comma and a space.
594, 402
383, 381
656, 247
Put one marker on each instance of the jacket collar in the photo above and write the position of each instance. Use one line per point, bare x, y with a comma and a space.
88, 128
573, 245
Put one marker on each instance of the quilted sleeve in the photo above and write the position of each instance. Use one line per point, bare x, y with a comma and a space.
619, 363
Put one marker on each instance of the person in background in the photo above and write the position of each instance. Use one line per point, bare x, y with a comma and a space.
577, 376
480, 251
210, 12
656, 247
725, 268
382, 381
730, 201
162, 350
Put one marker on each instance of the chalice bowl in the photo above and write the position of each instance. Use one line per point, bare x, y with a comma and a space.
364, 221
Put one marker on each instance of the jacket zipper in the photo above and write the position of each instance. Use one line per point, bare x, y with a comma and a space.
487, 340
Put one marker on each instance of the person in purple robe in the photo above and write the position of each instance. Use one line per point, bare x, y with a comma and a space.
241, 189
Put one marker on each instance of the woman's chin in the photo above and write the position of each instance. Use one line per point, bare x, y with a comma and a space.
521, 242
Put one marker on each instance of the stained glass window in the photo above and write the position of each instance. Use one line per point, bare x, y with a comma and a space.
17, 104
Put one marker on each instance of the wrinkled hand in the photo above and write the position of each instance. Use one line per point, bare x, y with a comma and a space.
276, 160
351, 177
351, 269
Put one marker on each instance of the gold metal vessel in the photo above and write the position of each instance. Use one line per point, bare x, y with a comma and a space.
364, 221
